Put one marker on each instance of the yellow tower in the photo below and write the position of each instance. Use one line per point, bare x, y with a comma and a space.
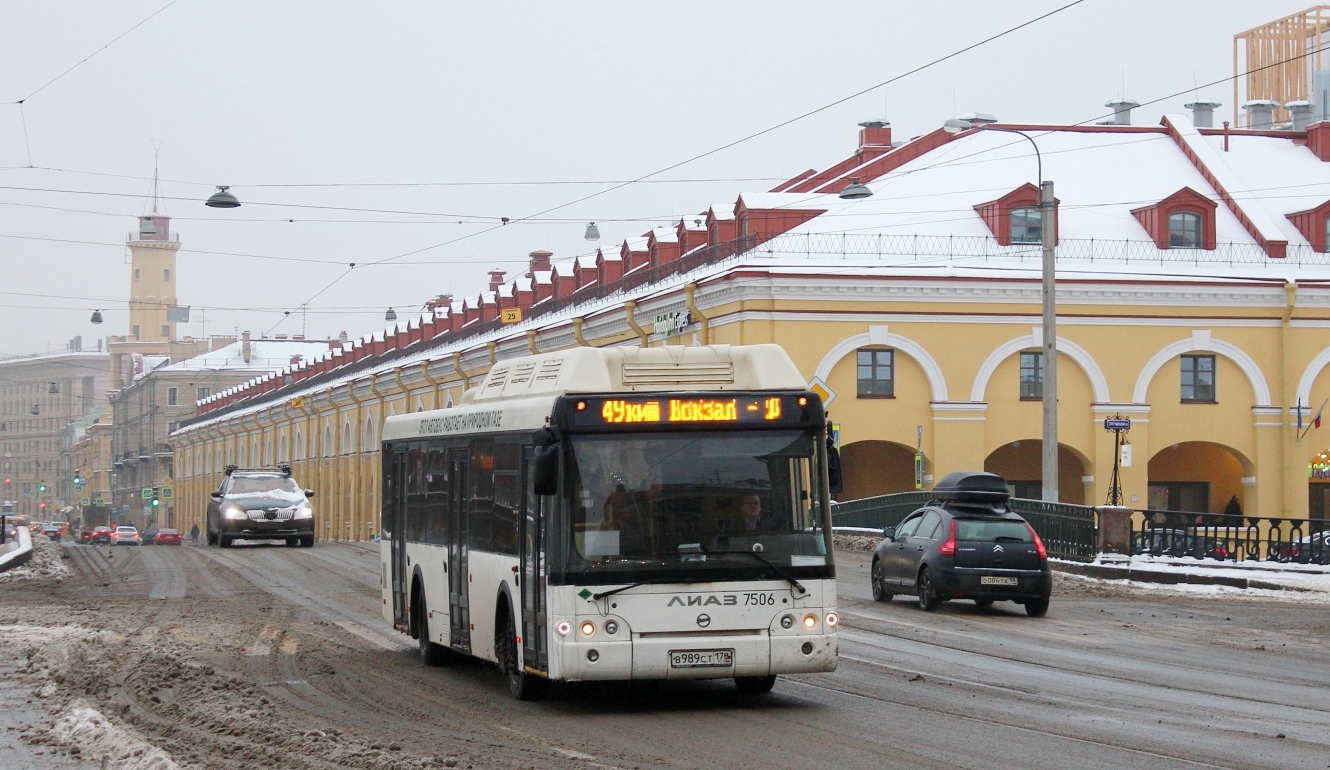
152, 282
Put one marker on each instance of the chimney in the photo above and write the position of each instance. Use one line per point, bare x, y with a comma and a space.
496, 279
244, 346
540, 262
1122, 110
1301, 111
1260, 113
342, 338
1203, 112
874, 133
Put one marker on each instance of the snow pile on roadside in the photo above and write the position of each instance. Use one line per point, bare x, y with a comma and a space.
96, 736
50, 651
47, 563
1305, 595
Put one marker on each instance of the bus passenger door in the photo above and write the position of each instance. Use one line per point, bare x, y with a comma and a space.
459, 613
394, 508
531, 544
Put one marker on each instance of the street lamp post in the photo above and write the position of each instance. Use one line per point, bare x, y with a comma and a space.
1049, 398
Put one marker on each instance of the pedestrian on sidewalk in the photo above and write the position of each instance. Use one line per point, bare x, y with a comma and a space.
194, 535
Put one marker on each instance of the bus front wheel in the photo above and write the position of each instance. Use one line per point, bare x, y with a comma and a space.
522, 685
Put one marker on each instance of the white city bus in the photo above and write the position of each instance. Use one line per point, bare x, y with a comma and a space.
617, 513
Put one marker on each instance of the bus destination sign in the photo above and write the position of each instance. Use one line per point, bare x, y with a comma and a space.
688, 409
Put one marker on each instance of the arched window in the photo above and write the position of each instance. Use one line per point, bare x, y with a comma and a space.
1026, 225
1327, 235
281, 450
369, 435
327, 441
1184, 230
347, 446
298, 448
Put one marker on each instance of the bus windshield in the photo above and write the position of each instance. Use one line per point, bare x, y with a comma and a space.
695, 506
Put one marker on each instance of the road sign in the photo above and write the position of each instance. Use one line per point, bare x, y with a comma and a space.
1117, 423
167, 492
166, 480
510, 315
84, 501
146, 493
822, 390
296, 403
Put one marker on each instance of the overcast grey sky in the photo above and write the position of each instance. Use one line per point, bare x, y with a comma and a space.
398, 103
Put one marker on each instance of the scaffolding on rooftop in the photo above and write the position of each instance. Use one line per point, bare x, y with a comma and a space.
1277, 61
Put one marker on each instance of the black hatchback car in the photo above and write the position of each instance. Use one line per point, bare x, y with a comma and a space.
964, 544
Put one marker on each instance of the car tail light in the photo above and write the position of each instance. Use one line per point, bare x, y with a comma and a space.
948, 547
1038, 544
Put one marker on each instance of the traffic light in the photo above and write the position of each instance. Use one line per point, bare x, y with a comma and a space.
42, 488
78, 477
156, 497
41, 505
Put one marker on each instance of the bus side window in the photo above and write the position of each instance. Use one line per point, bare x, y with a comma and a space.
480, 502
507, 497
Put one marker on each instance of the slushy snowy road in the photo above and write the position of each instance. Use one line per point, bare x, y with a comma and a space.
278, 657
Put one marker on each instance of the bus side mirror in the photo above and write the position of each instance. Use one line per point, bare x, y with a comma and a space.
546, 470
833, 470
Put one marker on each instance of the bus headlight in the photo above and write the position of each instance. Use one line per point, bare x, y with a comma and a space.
832, 619
588, 628
810, 622
564, 628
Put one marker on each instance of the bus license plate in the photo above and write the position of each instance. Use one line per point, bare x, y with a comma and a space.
701, 658
997, 580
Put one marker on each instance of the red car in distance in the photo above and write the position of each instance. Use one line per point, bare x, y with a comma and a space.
166, 537
100, 535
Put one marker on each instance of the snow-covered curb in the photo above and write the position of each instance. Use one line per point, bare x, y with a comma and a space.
96, 736
44, 558
1283, 594
19, 556
1274, 578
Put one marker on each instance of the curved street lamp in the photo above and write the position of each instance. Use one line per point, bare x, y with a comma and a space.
1050, 347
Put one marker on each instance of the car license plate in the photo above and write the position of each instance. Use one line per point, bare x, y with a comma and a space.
701, 658
997, 580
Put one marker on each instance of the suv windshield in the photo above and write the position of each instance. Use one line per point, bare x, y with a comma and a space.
647, 507
252, 485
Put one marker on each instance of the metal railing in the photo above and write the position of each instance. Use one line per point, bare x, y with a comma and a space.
1067, 531
1230, 537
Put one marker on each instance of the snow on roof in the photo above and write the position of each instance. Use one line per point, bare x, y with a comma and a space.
1099, 177
665, 234
264, 355
796, 201
722, 211
1275, 175
1223, 175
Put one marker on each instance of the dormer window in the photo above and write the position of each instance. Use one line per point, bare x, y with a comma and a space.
1015, 217
1026, 225
1184, 230
1325, 243
1183, 220
1314, 224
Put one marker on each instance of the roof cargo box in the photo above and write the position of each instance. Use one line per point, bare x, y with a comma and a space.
972, 487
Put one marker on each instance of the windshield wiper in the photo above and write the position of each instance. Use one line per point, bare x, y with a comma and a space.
766, 561
614, 591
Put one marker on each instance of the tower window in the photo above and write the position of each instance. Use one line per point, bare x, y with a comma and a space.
166, 331
136, 273
1184, 230
136, 330
166, 274
172, 396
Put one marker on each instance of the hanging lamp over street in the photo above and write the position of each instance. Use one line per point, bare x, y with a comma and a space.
222, 199
96, 316
391, 315
855, 191
592, 232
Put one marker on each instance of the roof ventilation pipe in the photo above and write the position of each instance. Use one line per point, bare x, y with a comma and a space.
1122, 110
496, 279
1260, 113
976, 118
874, 133
540, 262
1203, 112
1301, 112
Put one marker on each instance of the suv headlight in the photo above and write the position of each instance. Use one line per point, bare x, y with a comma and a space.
304, 511
233, 511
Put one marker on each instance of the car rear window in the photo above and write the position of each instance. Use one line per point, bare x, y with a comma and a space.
992, 531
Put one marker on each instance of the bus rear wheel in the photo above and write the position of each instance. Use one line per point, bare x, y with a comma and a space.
522, 685
755, 685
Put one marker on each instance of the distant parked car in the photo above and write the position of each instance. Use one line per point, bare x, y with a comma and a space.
126, 535
1313, 549
964, 544
100, 536
1177, 543
165, 537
